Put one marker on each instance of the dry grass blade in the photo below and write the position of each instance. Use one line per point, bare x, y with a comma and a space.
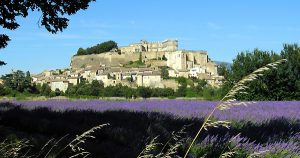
173, 145
216, 124
228, 154
74, 144
147, 152
13, 149
258, 154
81, 139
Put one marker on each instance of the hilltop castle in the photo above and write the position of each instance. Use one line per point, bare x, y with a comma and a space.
114, 67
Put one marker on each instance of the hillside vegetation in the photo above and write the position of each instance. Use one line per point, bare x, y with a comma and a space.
98, 49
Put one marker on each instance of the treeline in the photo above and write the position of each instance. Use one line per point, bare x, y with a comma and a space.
99, 48
17, 82
282, 83
97, 89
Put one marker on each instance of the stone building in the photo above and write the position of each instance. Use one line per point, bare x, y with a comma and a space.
60, 84
145, 46
152, 79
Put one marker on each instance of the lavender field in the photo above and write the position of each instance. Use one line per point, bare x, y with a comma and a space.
270, 127
255, 112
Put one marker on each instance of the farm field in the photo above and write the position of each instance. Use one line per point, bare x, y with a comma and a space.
266, 127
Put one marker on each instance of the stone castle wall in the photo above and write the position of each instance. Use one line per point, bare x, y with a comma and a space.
111, 59
108, 59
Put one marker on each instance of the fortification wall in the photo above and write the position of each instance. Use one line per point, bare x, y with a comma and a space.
108, 59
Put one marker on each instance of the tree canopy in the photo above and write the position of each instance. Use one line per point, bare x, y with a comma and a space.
53, 14
99, 48
277, 84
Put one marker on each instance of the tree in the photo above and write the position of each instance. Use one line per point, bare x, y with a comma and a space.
164, 72
45, 90
27, 82
15, 80
99, 48
288, 77
81, 51
223, 70
144, 92
140, 61
57, 92
200, 85
53, 14
95, 88
276, 84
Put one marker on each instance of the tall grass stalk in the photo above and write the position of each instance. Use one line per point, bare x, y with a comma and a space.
229, 99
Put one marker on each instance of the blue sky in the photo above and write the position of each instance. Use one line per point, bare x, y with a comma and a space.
223, 28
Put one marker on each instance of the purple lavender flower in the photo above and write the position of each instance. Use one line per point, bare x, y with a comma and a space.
256, 112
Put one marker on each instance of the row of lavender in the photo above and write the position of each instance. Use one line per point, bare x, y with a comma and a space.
256, 112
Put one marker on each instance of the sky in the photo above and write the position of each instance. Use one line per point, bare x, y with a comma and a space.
223, 28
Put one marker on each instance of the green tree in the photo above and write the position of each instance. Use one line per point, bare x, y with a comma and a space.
99, 48
45, 89
95, 88
277, 84
223, 70
53, 14
15, 80
288, 75
144, 92
164, 72
140, 61
57, 92
84, 89
81, 51
27, 82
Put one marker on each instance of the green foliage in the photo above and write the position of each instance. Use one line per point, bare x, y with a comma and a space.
144, 92
18, 81
45, 90
99, 48
137, 63
96, 88
279, 84
57, 92
140, 58
81, 51
223, 70
165, 72
280, 154
162, 92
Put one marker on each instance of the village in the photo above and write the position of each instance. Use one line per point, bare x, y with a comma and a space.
118, 67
